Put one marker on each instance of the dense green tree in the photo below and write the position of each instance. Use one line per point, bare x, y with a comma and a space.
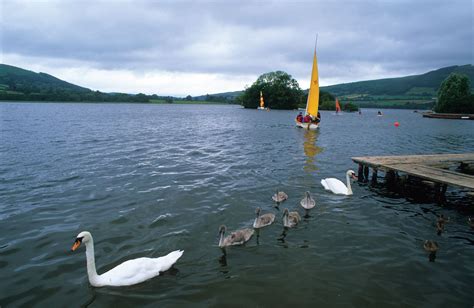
189, 98
454, 95
327, 105
280, 91
326, 101
140, 98
350, 107
461, 105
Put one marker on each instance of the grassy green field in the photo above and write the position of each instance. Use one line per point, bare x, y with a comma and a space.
394, 103
421, 91
398, 102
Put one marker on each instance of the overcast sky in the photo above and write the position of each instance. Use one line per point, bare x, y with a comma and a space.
198, 47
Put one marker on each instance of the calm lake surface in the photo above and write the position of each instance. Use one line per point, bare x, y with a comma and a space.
149, 179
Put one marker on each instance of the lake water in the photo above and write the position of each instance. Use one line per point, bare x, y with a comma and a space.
149, 179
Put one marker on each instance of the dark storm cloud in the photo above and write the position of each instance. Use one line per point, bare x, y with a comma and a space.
357, 39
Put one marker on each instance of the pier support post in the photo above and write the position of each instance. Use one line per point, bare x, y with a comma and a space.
390, 177
444, 188
366, 174
360, 174
374, 176
440, 192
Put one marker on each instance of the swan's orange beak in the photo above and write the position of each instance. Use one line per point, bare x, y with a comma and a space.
354, 177
76, 244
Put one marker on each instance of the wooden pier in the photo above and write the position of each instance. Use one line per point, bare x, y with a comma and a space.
452, 116
441, 169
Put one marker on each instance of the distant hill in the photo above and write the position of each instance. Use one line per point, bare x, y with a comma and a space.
15, 78
425, 85
417, 85
17, 84
224, 95
412, 92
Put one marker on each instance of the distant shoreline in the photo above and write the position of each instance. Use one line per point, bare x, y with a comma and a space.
137, 103
196, 103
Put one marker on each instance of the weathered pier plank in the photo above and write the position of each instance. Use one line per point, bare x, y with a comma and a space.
428, 167
436, 175
433, 159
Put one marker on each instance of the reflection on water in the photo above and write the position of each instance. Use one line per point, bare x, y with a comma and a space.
90, 300
223, 261
311, 149
283, 235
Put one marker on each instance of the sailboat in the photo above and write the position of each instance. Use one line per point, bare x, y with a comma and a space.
262, 104
338, 107
312, 104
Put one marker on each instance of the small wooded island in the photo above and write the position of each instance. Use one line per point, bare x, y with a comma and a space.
455, 100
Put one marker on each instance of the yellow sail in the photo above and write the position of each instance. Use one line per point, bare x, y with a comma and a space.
312, 104
261, 100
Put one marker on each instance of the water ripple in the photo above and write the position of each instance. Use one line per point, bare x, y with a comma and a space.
144, 188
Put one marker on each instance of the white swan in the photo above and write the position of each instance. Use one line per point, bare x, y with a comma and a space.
336, 186
290, 219
129, 272
237, 237
263, 220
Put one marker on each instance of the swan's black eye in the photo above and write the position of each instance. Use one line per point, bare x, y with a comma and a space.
79, 239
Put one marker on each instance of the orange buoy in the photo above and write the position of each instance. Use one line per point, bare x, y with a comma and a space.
396, 124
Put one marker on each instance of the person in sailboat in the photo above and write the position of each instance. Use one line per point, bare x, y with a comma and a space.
315, 120
299, 117
307, 119
318, 118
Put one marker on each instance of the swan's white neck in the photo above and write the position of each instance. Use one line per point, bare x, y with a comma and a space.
91, 271
349, 189
221, 240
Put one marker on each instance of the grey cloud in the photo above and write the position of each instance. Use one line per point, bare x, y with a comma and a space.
245, 37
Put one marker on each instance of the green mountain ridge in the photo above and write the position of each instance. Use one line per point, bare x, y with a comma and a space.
409, 92
15, 78
424, 85
17, 84
418, 86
